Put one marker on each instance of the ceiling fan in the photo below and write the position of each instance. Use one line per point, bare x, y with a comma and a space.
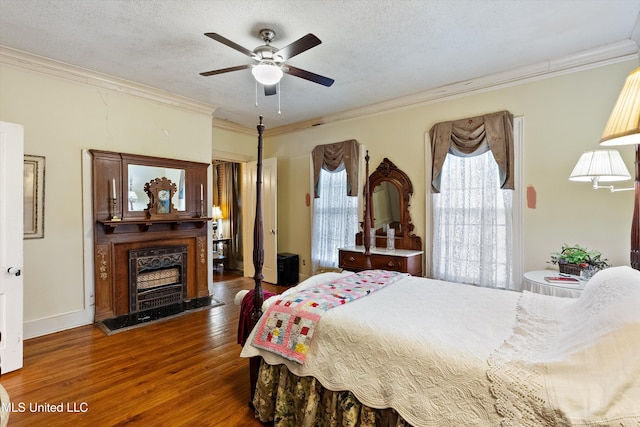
270, 65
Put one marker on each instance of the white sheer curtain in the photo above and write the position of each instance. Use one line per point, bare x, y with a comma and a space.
335, 220
472, 228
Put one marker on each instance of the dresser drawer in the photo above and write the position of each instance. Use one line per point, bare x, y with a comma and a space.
352, 260
388, 262
356, 261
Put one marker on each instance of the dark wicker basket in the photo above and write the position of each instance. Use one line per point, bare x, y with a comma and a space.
567, 268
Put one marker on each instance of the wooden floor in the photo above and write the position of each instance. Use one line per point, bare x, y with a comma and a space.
185, 371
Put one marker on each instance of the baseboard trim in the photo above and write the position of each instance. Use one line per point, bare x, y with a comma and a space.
61, 322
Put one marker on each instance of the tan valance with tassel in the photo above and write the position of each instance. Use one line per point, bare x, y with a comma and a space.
472, 137
330, 157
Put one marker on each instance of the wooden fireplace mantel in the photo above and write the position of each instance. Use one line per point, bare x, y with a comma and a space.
119, 229
145, 225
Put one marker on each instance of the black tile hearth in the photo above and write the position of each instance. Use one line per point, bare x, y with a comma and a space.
120, 323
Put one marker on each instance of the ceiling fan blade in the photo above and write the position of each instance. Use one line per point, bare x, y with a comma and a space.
269, 90
299, 46
308, 75
226, 41
225, 70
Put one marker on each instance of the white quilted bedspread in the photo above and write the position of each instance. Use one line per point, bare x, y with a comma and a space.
419, 346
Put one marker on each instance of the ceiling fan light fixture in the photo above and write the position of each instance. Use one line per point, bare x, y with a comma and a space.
267, 73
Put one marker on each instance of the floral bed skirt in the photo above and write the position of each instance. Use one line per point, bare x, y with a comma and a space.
292, 401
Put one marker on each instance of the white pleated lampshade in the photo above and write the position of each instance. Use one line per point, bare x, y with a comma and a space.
216, 213
601, 166
623, 127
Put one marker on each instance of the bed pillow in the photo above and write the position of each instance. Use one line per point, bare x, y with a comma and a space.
607, 307
612, 295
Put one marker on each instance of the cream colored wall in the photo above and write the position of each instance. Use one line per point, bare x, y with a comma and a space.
234, 146
563, 116
61, 117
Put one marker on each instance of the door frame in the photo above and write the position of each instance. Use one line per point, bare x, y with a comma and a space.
12, 235
269, 216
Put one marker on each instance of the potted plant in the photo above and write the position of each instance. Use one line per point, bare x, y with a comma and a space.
573, 259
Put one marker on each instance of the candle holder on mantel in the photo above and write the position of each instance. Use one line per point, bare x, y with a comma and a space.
202, 215
114, 208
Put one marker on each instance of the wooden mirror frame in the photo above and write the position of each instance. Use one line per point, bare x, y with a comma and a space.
111, 167
388, 172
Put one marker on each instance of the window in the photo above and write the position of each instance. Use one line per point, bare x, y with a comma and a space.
335, 220
472, 223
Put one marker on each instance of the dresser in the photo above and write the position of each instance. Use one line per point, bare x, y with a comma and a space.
403, 260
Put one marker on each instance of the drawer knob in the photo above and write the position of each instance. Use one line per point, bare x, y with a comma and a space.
351, 259
391, 264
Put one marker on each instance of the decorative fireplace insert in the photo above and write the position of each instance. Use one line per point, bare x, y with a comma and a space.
157, 277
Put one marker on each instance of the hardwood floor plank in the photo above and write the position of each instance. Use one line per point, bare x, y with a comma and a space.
184, 371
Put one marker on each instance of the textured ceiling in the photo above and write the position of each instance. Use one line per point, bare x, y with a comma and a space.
375, 50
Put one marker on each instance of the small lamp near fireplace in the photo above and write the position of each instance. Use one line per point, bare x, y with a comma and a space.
216, 216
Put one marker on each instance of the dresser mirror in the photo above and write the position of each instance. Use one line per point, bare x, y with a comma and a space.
389, 201
386, 199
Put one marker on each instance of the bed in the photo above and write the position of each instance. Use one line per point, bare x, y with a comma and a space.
441, 353
424, 352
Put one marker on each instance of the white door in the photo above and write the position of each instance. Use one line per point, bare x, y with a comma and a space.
269, 218
11, 234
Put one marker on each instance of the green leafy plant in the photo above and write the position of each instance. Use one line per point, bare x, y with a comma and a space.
579, 255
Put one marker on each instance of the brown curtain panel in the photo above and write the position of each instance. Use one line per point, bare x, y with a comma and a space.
226, 195
471, 137
330, 156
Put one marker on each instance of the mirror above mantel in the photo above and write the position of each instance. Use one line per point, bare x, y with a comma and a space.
139, 175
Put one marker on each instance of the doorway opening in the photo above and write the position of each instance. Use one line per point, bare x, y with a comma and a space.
227, 227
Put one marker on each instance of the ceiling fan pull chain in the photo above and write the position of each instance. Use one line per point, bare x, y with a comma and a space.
279, 98
256, 94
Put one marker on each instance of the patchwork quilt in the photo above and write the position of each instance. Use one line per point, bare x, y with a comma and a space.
288, 325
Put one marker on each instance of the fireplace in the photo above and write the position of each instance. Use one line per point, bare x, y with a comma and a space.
157, 277
148, 266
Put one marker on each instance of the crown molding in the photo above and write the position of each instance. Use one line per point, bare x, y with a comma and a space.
40, 64
232, 126
617, 52
227, 156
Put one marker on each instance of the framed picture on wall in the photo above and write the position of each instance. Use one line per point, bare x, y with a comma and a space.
33, 194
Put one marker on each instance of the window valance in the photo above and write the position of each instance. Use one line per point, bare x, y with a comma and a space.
471, 137
330, 156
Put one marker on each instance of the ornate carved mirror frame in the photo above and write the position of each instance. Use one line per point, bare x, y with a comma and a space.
404, 237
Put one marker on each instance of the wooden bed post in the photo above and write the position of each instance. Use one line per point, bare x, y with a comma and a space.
258, 237
258, 261
635, 222
366, 225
